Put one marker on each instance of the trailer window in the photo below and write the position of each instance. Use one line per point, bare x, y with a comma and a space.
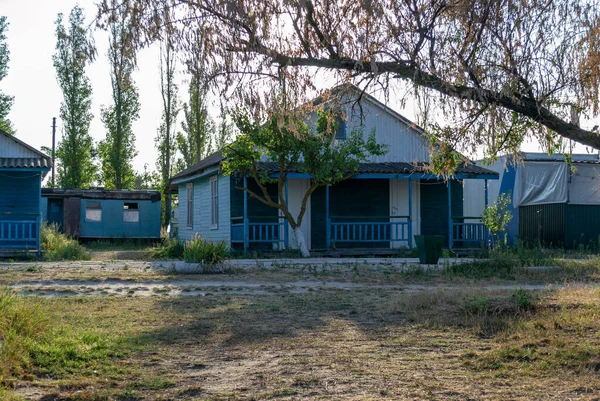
93, 211
131, 213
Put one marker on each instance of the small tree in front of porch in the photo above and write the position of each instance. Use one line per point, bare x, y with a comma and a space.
291, 143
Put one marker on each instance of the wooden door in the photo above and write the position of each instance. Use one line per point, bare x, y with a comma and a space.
72, 212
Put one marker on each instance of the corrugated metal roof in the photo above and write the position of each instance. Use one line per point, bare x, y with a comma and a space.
117, 194
394, 168
24, 162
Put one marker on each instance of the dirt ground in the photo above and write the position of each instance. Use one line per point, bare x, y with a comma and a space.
300, 332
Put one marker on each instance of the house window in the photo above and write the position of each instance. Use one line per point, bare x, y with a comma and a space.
93, 211
340, 130
214, 203
131, 213
190, 204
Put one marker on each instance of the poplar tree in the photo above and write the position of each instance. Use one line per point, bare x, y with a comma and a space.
165, 139
196, 141
118, 149
74, 153
5, 100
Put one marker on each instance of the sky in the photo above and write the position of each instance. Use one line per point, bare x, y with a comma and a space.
32, 81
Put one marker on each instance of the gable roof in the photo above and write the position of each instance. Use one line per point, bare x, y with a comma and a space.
468, 168
213, 160
15, 153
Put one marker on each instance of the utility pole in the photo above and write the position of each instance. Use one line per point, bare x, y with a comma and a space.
53, 149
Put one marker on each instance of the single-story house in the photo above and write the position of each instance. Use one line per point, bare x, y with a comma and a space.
554, 202
391, 199
22, 169
97, 213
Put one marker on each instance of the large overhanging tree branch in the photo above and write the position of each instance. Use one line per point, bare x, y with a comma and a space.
488, 66
290, 143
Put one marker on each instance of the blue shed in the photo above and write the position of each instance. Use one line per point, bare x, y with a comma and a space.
96, 213
22, 169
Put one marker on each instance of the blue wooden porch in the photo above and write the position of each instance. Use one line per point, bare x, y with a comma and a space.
19, 232
344, 228
22, 169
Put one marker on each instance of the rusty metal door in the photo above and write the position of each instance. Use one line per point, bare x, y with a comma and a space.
72, 213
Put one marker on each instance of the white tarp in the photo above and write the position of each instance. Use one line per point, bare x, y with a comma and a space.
540, 183
584, 188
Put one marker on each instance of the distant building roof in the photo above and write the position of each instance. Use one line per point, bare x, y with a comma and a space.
118, 194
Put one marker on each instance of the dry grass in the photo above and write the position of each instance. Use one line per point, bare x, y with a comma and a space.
359, 345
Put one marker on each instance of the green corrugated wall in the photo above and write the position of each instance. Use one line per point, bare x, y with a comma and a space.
560, 225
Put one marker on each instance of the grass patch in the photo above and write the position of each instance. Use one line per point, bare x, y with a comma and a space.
360, 344
21, 325
58, 246
35, 343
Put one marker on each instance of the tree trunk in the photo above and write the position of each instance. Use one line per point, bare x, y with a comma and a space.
301, 241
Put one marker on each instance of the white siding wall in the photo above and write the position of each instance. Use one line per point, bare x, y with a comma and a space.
11, 148
202, 210
474, 190
296, 190
399, 206
405, 143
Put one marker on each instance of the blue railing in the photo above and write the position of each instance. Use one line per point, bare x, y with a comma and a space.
19, 231
468, 232
249, 231
392, 230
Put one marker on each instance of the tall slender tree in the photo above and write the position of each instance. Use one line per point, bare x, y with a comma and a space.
195, 143
165, 139
5, 100
73, 50
225, 131
118, 149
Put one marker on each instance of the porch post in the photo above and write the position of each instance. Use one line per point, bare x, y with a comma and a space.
286, 235
38, 219
327, 221
410, 213
450, 233
485, 231
246, 232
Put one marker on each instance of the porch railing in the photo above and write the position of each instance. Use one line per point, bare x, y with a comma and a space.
251, 230
468, 231
395, 229
20, 231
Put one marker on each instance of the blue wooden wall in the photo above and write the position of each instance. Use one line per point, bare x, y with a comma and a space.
202, 210
19, 192
19, 200
112, 224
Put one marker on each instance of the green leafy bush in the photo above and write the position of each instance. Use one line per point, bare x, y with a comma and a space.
208, 253
170, 248
58, 246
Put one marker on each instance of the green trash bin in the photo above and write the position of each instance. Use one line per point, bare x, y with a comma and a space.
429, 248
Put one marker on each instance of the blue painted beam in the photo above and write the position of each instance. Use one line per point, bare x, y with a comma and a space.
246, 230
327, 220
450, 226
365, 176
410, 213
